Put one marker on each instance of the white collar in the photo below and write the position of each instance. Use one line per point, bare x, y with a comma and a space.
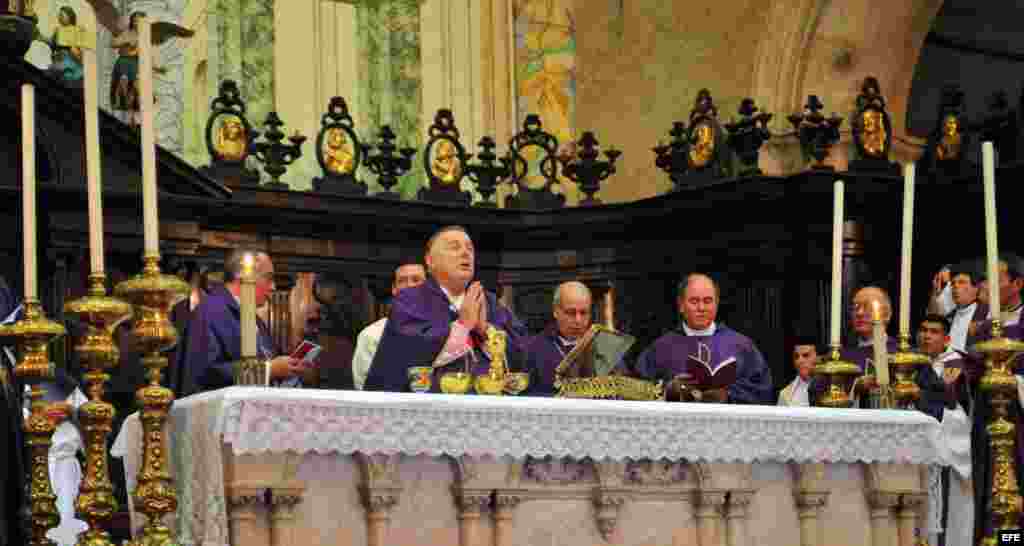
869, 341
567, 342
946, 356
709, 331
966, 309
456, 301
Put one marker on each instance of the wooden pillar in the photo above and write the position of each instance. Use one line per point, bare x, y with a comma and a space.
472, 504
282, 515
736, 518
710, 507
882, 504
246, 508
505, 505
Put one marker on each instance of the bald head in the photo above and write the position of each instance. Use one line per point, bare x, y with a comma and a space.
863, 308
572, 305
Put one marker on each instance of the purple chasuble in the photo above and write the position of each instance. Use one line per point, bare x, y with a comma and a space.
417, 329
670, 355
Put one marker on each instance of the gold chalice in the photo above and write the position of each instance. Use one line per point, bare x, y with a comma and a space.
456, 382
490, 383
420, 378
517, 382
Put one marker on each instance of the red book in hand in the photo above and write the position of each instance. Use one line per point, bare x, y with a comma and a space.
701, 376
306, 352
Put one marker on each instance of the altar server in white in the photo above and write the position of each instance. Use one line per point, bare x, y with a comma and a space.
407, 274
798, 392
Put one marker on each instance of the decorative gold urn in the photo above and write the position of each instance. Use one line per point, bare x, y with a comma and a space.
32, 335
98, 353
839, 375
1000, 385
153, 295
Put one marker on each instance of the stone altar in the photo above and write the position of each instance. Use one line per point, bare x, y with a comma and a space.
311, 467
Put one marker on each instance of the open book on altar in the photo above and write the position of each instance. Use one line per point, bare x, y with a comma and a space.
702, 375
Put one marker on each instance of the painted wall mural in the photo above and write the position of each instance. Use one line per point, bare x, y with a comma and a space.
389, 81
545, 68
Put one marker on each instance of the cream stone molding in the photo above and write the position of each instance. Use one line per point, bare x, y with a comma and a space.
607, 503
283, 501
246, 505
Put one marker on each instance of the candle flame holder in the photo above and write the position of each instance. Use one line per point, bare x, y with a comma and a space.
904, 364
839, 375
98, 353
32, 336
153, 294
1000, 385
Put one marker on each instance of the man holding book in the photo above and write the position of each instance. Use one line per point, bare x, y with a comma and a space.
545, 351
704, 360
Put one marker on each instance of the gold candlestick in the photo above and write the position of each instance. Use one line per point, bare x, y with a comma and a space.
493, 382
32, 336
1001, 387
905, 363
153, 295
98, 353
839, 375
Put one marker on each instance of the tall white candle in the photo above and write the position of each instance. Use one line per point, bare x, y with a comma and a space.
248, 308
28, 189
988, 170
908, 233
92, 155
149, 193
837, 263
881, 352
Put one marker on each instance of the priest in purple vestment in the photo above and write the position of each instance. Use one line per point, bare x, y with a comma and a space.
214, 341
545, 351
443, 322
861, 352
702, 347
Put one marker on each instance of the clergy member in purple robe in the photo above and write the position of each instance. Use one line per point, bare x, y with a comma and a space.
443, 322
861, 353
702, 347
545, 351
214, 341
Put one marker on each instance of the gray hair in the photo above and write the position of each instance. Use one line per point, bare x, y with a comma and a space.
236, 258
557, 300
445, 229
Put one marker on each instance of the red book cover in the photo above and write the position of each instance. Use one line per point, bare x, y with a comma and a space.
307, 351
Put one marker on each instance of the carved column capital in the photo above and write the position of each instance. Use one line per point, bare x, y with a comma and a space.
882, 502
810, 503
505, 503
911, 502
472, 503
283, 502
739, 503
709, 503
243, 502
379, 501
607, 503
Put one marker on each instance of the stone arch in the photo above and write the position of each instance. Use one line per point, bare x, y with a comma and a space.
827, 48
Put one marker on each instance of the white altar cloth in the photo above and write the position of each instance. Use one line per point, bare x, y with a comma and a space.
258, 419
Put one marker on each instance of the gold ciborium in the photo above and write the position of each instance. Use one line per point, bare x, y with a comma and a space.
493, 382
456, 382
904, 364
101, 315
154, 294
1000, 385
32, 336
517, 382
839, 376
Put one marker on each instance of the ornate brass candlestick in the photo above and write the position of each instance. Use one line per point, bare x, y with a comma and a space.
32, 336
98, 353
1001, 387
839, 375
153, 295
905, 363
